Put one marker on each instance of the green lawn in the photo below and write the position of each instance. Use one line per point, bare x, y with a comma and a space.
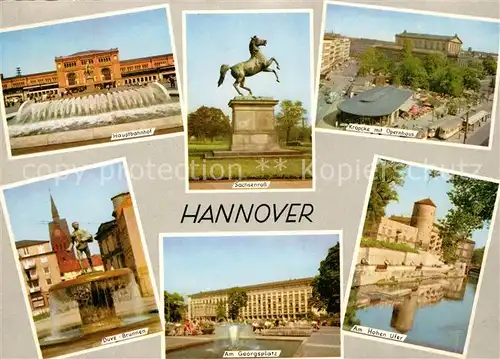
245, 168
401, 247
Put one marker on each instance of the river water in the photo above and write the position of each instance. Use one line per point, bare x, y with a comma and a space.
437, 317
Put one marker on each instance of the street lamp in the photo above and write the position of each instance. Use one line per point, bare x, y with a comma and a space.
466, 122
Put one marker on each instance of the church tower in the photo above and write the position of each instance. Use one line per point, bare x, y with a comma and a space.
59, 236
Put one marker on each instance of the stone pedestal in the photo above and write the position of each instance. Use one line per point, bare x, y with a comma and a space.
254, 131
254, 124
89, 81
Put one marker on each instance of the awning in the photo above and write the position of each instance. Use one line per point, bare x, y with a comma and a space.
406, 107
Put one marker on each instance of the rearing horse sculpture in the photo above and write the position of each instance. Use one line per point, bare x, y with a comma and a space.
257, 63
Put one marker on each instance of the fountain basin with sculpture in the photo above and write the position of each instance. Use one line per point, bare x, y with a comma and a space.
90, 110
103, 300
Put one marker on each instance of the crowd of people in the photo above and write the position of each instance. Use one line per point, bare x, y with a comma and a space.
195, 327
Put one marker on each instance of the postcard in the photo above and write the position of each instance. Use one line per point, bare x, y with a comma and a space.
417, 270
95, 81
263, 305
81, 259
249, 93
408, 75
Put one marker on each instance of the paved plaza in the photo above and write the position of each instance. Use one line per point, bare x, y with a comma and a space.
322, 343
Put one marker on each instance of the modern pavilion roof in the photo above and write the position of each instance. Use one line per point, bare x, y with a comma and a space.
379, 101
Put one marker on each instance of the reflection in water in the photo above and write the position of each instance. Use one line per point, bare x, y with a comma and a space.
433, 313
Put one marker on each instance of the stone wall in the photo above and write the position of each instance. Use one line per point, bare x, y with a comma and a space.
377, 256
369, 274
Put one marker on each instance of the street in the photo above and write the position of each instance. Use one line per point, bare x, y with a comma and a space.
339, 82
481, 137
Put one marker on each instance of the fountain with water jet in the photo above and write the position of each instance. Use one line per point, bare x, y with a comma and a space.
104, 300
76, 118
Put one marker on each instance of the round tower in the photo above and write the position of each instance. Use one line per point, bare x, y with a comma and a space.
422, 218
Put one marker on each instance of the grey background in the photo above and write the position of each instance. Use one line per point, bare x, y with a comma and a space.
158, 181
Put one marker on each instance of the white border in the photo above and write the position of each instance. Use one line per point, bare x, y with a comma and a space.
339, 233
3, 114
376, 158
312, 114
406, 139
18, 263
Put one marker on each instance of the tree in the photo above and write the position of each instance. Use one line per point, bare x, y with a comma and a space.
208, 123
237, 299
18, 71
490, 65
435, 61
388, 175
326, 285
473, 202
174, 307
373, 60
412, 73
471, 78
350, 313
290, 115
220, 310
474, 196
477, 256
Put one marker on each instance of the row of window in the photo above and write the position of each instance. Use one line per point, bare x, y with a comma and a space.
138, 80
46, 80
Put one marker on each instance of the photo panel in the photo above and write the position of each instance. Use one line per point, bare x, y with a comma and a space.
417, 270
252, 294
66, 85
82, 262
249, 98
408, 75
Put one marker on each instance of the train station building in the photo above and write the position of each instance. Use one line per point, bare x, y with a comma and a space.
71, 75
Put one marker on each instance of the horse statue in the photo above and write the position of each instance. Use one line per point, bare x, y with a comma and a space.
257, 63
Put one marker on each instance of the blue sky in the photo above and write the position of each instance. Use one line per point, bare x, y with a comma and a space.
194, 264
217, 39
138, 34
418, 186
83, 196
384, 25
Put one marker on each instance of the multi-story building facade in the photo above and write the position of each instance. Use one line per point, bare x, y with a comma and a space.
120, 243
286, 299
40, 270
465, 250
336, 50
97, 68
423, 44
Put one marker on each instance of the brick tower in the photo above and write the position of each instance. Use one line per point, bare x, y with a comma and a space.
59, 236
423, 218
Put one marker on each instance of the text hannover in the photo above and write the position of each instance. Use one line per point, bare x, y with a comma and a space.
288, 213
